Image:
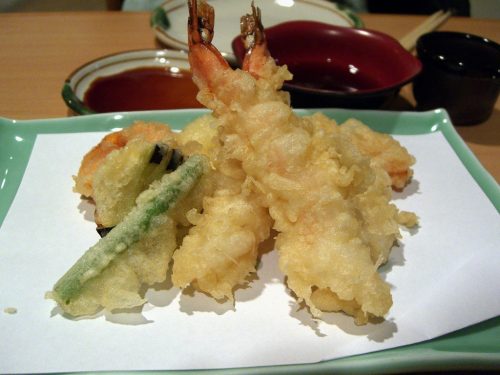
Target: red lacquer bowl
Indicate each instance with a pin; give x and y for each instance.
(336, 66)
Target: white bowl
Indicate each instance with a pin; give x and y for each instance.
(78, 83)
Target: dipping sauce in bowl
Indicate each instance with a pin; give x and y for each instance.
(132, 81)
(336, 66)
(142, 89)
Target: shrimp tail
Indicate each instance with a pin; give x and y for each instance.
(204, 58)
(254, 41)
(220, 86)
(200, 23)
(252, 30)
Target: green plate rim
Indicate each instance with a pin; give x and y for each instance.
(475, 347)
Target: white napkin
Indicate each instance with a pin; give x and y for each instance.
(444, 277)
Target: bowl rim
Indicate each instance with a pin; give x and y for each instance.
(366, 93)
(76, 104)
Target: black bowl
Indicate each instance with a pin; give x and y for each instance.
(461, 73)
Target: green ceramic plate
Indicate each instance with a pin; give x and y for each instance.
(476, 347)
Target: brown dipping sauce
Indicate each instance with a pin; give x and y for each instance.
(142, 89)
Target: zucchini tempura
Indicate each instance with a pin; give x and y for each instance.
(150, 132)
(134, 254)
(120, 167)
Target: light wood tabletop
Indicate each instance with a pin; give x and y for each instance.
(39, 50)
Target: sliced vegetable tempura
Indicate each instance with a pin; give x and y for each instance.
(136, 252)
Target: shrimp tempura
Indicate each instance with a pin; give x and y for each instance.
(221, 249)
(329, 203)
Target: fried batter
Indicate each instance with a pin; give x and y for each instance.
(221, 249)
(149, 132)
(383, 150)
(330, 204)
(325, 188)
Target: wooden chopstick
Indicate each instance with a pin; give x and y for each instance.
(430, 24)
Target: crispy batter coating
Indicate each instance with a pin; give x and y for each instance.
(123, 174)
(328, 200)
(325, 188)
(121, 283)
(148, 131)
(221, 249)
(330, 204)
(383, 150)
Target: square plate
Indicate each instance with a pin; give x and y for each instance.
(472, 347)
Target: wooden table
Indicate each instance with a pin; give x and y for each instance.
(38, 51)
